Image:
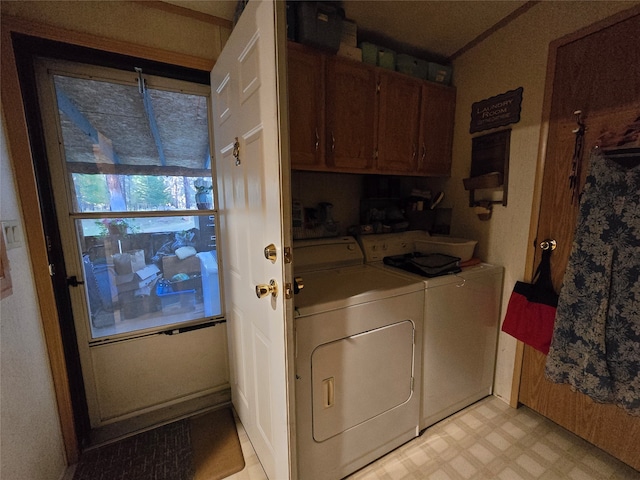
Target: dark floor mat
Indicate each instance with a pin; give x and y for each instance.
(163, 453)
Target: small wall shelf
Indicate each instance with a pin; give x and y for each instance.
(489, 168)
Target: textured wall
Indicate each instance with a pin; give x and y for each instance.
(31, 443)
(126, 21)
(515, 56)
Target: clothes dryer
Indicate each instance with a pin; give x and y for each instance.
(358, 349)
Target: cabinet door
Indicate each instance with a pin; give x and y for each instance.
(399, 123)
(306, 107)
(351, 115)
(438, 111)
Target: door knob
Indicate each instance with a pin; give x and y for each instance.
(548, 244)
(270, 253)
(298, 284)
(262, 290)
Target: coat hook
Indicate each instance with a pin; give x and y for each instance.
(576, 161)
(578, 114)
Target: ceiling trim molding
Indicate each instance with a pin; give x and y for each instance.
(501, 24)
(82, 39)
(186, 12)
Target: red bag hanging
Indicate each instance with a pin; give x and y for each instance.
(531, 311)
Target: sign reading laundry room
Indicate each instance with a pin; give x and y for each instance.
(496, 111)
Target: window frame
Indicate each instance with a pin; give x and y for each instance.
(118, 75)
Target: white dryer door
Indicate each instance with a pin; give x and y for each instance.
(357, 378)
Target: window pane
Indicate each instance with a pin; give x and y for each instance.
(128, 150)
(147, 272)
(140, 193)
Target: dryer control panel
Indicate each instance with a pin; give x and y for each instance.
(376, 247)
(325, 253)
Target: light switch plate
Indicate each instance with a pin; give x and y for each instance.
(12, 234)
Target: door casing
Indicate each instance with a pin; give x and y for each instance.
(21, 41)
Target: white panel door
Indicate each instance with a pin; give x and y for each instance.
(247, 127)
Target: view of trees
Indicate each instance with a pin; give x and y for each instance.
(134, 192)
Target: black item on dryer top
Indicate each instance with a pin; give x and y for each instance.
(429, 265)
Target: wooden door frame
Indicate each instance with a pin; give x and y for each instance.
(22, 161)
(554, 46)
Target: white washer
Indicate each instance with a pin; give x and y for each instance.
(358, 349)
(460, 329)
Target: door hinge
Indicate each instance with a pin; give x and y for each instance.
(287, 255)
(288, 291)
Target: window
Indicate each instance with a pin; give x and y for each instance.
(140, 195)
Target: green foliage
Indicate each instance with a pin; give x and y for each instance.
(115, 226)
(147, 190)
(91, 191)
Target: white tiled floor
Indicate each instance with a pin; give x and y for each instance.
(488, 440)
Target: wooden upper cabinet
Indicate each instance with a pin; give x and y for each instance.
(436, 130)
(347, 116)
(351, 106)
(398, 123)
(306, 107)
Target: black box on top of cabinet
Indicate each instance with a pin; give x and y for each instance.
(319, 25)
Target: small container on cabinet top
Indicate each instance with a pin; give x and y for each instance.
(386, 58)
(354, 53)
(411, 65)
(439, 73)
(369, 53)
(319, 25)
(349, 34)
(377, 55)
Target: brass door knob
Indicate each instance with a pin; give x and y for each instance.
(263, 290)
(548, 244)
(270, 253)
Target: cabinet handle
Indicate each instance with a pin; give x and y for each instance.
(333, 143)
(317, 140)
(424, 154)
(413, 157)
